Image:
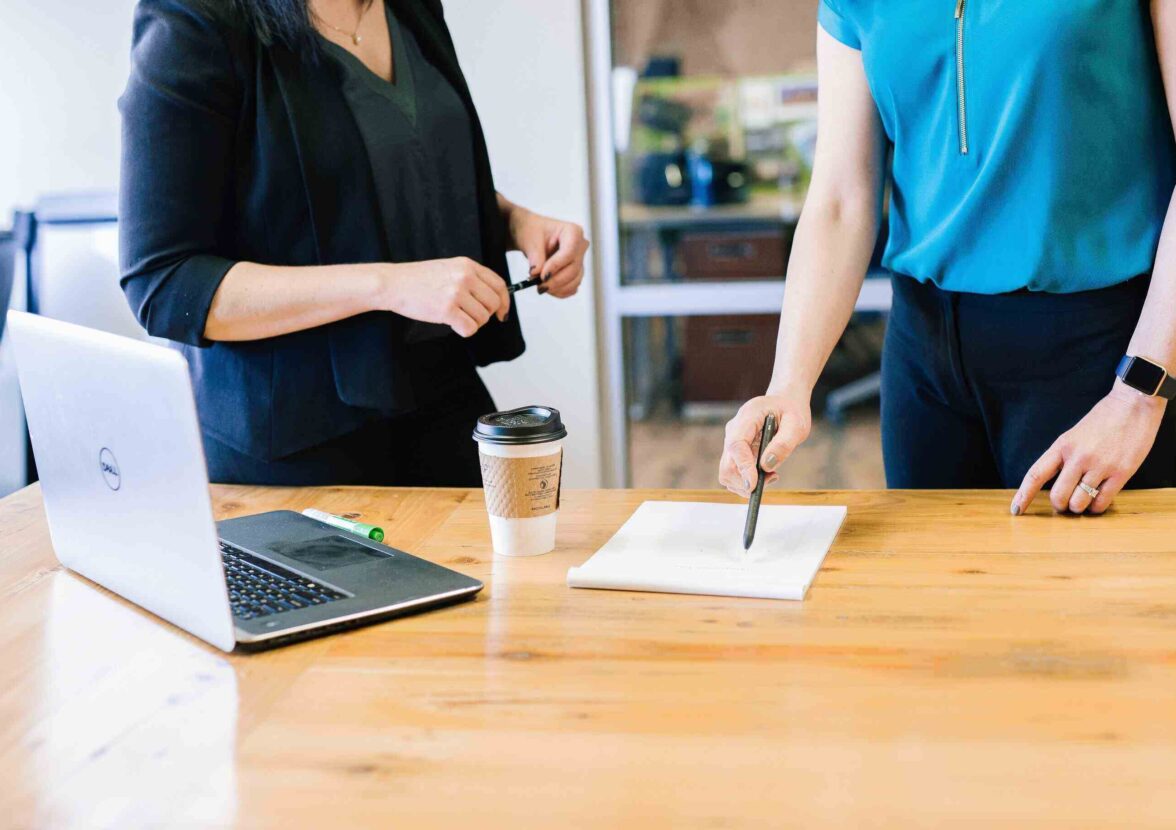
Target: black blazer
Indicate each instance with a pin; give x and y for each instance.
(234, 150)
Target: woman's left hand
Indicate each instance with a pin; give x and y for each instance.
(554, 249)
(1103, 451)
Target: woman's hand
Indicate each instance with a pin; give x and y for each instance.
(1103, 450)
(554, 249)
(458, 293)
(737, 467)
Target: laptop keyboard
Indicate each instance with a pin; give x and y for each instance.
(258, 588)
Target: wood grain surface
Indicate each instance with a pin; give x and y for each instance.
(952, 666)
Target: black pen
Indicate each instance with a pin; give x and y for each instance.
(519, 286)
(753, 506)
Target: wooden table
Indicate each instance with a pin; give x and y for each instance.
(951, 665)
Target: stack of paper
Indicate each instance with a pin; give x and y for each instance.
(692, 548)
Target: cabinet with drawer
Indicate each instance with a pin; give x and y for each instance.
(749, 255)
(727, 358)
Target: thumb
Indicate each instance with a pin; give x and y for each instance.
(790, 435)
(533, 247)
(535, 255)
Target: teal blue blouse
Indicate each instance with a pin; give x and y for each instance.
(1033, 146)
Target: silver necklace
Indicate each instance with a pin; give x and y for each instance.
(355, 36)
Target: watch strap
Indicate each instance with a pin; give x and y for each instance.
(1166, 389)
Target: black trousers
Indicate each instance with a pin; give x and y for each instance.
(432, 446)
(975, 388)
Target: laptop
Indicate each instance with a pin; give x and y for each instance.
(119, 453)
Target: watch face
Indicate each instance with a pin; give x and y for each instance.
(1143, 375)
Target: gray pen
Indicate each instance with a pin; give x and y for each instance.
(753, 506)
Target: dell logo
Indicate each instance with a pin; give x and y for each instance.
(109, 467)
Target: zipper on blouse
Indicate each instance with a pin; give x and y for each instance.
(961, 97)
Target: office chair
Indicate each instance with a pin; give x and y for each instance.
(73, 263)
(7, 274)
(14, 453)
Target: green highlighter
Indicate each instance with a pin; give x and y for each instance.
(376, 534)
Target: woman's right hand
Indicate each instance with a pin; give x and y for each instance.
(737, 468)
(458, 293)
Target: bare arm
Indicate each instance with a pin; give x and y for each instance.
(838, 226)
(835, 237)
(1155, 334)
(258, 301)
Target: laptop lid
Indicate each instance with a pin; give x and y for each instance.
(123, 476)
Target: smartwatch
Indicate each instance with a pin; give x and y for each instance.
(1148, 378)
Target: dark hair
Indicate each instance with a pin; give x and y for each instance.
(280, 21)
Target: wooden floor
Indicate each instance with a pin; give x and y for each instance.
(666, 452)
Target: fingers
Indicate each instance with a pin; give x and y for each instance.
(744, 460)
(474, 308)
(1042, 471)
(1106, 494)
(1066, 484)
(742, 474)
(737, 468)
(488, 298)
(536, 254)
(532, 241)
(563, 270)
(472, 299)
(500, 303)
(462, 323)
(1080, 500)
(790, 435)
(729, 475)
(569, 246)
(565, 283)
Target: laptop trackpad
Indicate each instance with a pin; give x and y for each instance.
(328, 552)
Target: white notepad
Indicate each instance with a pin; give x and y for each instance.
(697, 548)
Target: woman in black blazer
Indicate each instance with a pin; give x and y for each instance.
(307, 211)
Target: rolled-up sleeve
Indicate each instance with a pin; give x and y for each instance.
(179, 115)
(833, 20)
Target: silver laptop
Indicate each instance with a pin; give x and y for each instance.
(122, 470)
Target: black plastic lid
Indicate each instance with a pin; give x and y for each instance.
(525, 425)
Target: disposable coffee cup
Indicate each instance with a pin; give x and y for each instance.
(521, 451)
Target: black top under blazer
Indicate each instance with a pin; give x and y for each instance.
(238, 151)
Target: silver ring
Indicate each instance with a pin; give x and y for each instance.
(1088, 490)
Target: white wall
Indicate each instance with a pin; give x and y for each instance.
(524, 60)
(63, 64)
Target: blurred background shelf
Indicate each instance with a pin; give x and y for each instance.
(759, 208)
(702, 156)
(710, 298)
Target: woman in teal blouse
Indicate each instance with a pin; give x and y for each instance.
(1032, 257)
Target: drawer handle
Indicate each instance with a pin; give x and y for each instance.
(730, 250)
(734, 337)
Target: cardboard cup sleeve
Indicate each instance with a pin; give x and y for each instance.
(521, 488)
